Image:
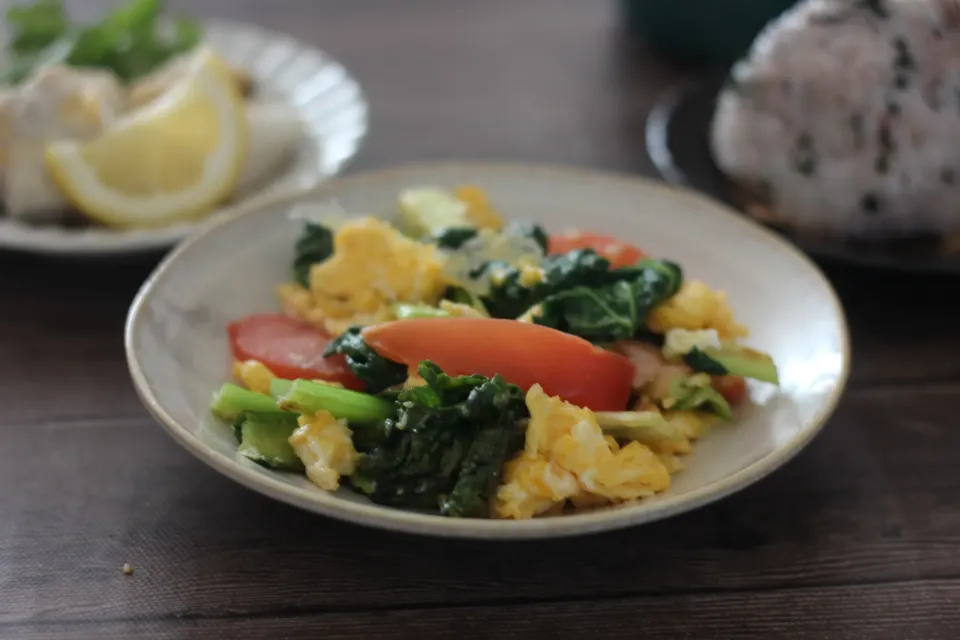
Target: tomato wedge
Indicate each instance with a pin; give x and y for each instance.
(524, 354)
(618, 252)
(732, 388)
(290, 348)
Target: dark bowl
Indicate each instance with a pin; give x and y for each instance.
(711, 32)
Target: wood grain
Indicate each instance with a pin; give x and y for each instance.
(919, 610)
(871, 500)
(856, 538)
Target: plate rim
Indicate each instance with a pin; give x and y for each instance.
(376, 516)
(656, 141)
(57, 241)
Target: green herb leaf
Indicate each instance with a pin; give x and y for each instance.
(448, 444)
(377, 372)
(314, 245)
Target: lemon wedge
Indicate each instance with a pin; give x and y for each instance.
(172, 160)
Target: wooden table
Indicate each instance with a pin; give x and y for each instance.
(859, 537)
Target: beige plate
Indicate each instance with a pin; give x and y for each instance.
(178, 353)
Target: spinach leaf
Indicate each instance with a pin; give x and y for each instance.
(453, 238)
(314, 245)
(377, 372)
(617, 311)
(509, 298)
(447, 445)
(699, 361)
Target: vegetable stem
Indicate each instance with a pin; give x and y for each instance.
(407, 311)
(231, 400)
(309, 397)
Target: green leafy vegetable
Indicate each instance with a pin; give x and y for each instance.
(377, 372)
(735, 360)
(453, 238)
(447, 445)
(509, 298)
(694, 392)
(648, 427)
(130, 41)
(617, 311)
(314, 245)
(265, 439)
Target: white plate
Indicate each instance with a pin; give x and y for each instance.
(327, 98)
(178, 353)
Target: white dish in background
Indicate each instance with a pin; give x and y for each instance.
(178, 353)
(327, 98)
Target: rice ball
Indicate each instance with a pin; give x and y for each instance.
(845, 118)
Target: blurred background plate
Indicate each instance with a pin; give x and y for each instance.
(677, 140)
(326, 97)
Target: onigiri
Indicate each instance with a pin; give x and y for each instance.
(845, 118)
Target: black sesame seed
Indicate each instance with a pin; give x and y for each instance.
(948, 176)
(937, 33)
(893, 109)
(901, 81)
(882, 165)
(876, 7)
(870, 204)
(856, 124)
(886, 138)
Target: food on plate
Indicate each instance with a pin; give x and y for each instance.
(454, 362)
(842, 119)
(134, 124)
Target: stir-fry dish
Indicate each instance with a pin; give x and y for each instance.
(79, 104)
(454, 363)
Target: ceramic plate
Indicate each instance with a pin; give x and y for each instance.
(178, 353)
(677, 141)
(327, 98)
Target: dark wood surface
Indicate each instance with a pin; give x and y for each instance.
(858, 537)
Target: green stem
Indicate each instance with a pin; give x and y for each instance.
(280, 387)
(230, 401)
(309, 397)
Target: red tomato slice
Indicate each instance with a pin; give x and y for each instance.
(732, 388)
(524, 354)
(618, 252)
(289, 348)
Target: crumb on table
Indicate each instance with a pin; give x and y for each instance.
(127, 569)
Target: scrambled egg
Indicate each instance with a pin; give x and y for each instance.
(373, 267)
(253, 375)
(479, 210)
(567, 457)
(696, 306)
(325, 446)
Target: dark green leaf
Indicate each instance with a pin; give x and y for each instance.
(314, 245)
(447, 445)
(453, 238)
(616, 311)
(699, 361)
(374, 370)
